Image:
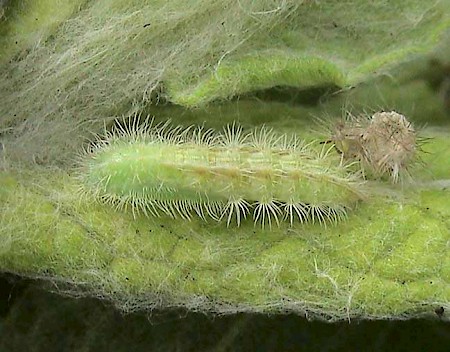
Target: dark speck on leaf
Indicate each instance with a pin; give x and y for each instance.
(439, 311)
(146, 25)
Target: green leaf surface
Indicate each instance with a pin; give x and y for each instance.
(389, 259)
(336, 44)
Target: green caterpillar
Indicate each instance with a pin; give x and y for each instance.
(178, 171)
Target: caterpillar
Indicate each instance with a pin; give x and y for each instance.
(384, 144)
(229, 175)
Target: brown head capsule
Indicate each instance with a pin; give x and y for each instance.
(384, 144)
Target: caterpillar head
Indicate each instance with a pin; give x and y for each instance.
(347, 140)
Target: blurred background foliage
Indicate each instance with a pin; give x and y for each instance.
(33, 319)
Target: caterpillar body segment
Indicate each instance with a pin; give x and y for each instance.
(227, 176)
